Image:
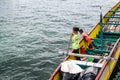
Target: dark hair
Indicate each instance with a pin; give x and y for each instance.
(81, 30)
(75, 28)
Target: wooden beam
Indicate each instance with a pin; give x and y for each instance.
(87, 63)
(113, 21)
(108, 23)
(112, 17)
(85, 55)
(99, 51)
(105, 39)
(112, 33)
(93, 56)
(114, 11)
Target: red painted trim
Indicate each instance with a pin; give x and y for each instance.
(101, 70)
(112, 51)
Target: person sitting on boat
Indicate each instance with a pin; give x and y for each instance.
(87, 39)
(75, 37)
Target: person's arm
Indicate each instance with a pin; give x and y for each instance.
(84, 37)
(71, 35)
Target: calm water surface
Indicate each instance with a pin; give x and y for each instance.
(32, 32)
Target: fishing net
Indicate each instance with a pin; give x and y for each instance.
(103, 46)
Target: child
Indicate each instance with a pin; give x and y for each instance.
(75, 37)
(87, 39)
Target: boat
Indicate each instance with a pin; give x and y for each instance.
(106, 40)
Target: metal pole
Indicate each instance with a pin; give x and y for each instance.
(101, 32)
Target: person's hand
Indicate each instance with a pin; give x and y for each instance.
(71, 34)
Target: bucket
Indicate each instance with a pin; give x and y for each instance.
(82, 50)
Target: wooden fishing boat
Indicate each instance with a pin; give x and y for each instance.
(106, 40)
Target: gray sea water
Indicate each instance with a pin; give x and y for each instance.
(32, 32)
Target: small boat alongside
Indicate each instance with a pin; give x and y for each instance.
(97, 64)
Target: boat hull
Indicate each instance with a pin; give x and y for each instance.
(108, 66)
